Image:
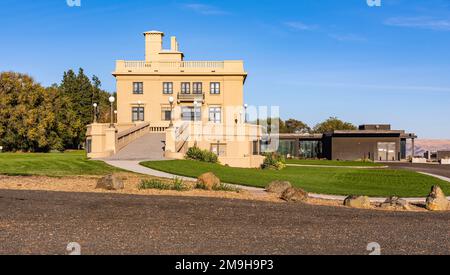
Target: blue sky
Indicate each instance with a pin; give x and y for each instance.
(313, 58)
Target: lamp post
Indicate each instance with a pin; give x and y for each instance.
(171, 100)
(195, 110)
(95, 112)
(245, 113)
(112, 100)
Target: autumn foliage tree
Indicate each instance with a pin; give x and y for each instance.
(38, 119)
(332, 124)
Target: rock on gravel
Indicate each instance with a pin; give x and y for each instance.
(436, 200)
(357, 202)
(110, 182)
(294, 195)
(395, 203)
(208, 181)
(278, 187)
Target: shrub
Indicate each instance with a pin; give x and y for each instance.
(226, 187)
(195, 153)
(154, 184)
(177, 185)
(221, 187)
(274, 161)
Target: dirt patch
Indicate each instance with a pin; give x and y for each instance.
(86, 184)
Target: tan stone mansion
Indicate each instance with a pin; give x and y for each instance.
(188, 103)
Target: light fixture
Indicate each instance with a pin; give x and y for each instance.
(245, 114)
(112, 100)
(95, 112)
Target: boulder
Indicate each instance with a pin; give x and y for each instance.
(110, 182)
(357, 202)
(294, 195)
(395, 203)
(278, 187)
(436, 200)
(208, 181)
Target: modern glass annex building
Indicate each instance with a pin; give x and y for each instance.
(374, 142)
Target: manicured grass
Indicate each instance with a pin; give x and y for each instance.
(332, 163)
(328, 180)
(52, 164)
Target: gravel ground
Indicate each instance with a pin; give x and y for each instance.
(43, 222)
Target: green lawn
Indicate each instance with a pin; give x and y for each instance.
(332, 163)
(328, 180)
(52, 164)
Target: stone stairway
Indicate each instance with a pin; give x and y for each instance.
(147, 147)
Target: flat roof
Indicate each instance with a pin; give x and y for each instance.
(305, 136)
(368, 132)
(341, 133)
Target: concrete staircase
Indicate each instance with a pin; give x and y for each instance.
(148, 147)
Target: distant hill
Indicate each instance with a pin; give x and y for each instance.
(433, 145)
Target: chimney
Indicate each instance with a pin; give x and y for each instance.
(153, 45)
(173, 44)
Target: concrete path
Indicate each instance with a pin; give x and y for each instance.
(134, 166)
(149, 147)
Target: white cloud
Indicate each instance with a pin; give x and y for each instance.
(205, 9)
(419, 22)
(300, 26)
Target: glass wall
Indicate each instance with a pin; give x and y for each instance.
(386, 151)
(287, 147)
(403, 149)
(310, 149)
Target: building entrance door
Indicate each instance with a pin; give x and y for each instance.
(386, 151)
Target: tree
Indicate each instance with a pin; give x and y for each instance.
(78, 95)
(331, 124)
(38, 119)
(270, 124)
(27, 119)
(293, 126)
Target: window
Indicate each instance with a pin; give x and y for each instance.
(310, 149)
(190, 114)
(185, 88)
(215, 114)
(197, 88)
(256, 147)
(137, 114)
(166, 113)
(219, 149)
(167, 88)
(287, 147)
(138, 88)
(89, 146)
(215, 88)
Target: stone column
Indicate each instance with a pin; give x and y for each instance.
(111, 141)
(170, 140)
